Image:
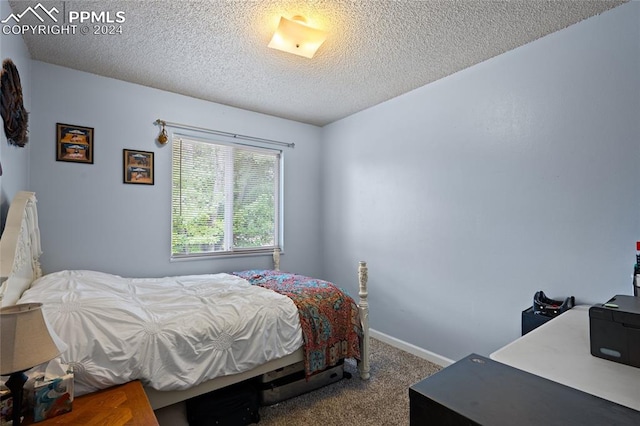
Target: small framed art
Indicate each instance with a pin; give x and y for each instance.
(74, 143)
(137, 166)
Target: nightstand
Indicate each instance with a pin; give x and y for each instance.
(116, 406)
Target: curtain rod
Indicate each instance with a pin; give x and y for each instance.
(222, 133)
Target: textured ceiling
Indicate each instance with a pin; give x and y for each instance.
(376, 50)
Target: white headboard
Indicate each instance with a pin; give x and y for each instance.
(19, 248)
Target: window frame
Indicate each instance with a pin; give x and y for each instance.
(279, 194)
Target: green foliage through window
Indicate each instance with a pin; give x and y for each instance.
(225, 198)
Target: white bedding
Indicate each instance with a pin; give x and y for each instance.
(171, 333)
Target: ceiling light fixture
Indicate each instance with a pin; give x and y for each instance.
(296, 36)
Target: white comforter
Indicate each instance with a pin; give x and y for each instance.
(171, 333)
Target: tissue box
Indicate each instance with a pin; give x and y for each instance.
(52, 397)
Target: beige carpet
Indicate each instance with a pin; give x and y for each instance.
(381, 400)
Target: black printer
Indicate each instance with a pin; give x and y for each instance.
(614, 330)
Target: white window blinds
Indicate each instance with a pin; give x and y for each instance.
(225, 198)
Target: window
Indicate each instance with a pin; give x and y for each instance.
(225, 198)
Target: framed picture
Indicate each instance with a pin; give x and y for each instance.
(74, 143)
(137, 167)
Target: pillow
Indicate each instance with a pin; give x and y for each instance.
(12, 289)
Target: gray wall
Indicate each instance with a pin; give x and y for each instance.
(468, 195)
(89, 219)
(14, 160)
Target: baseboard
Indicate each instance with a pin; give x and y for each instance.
(412, 349)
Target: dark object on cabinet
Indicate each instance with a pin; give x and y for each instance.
(531, 320)
(235, 405)
(614, 330)
(479, 391)
(552, 308)
(543, 310)
(290, 381)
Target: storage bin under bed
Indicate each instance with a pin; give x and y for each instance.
(288, 382)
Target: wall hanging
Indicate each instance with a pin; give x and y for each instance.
(14, 115)
(74, 143)
(163, 138)
(137, 167)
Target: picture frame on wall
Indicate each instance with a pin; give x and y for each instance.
(74, 143)
(137, 167)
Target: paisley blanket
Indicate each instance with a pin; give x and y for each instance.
(329, 317)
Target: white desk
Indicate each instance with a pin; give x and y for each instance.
(559, 350)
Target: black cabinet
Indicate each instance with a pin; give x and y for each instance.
(531, 320)
(479, 391)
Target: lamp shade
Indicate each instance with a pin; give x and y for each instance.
(25, 338)
(295, 36)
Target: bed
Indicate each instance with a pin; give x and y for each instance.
(232, 326)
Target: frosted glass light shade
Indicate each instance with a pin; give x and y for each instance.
(295, 36)
(26, 338)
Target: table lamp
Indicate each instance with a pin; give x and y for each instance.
(26, 341)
